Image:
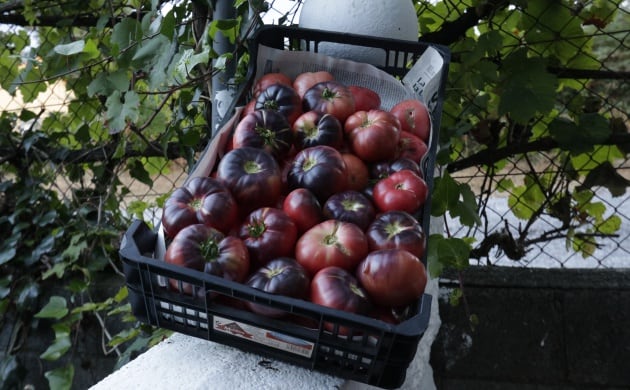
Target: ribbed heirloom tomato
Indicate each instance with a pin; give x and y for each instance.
(403, 190)
(373, 135)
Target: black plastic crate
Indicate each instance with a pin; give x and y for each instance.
(360, 348)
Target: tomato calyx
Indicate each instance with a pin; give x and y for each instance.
(393, 229)
(251, 167)
(209, 250)
(256, 229)
(309, 163)
(195, 204)
(268, 135)
(329, 94)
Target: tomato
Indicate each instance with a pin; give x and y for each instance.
(331, 243)
(302, 206)
(392, 277)
(396, 229)
(253, 176)
(414, 118)
(383, 169)
(268, 233)
(365, 99)
(304, 81)
(350, 206)
(321, 169)
(373, 135)
(201, 200)
(403, 190)
(357, 173)
(411, 147)
(206, 249)
(330, 97)
(281, 98)
(282, 276)
(338, 289)
(268, 79)
(264, 129)
(316, 128)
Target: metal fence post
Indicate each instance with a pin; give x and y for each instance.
(222, 92)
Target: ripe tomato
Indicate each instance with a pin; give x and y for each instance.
(392, 277)
(350, 206)
(302, 206)
(365, 99)
(268, 233)
(402, 190)
(321, 169)
(281, 276)
(414, 118)
(281, 98)
(373, 135)
(201, 200)
(337, 288)
(331, 243)
(268, 79)
(383, 169)
(411, 147)
(264, 129)
(253, 176)
(396, 229)
(316, 128)
(206, 249)
(304, 81)
(357, 172)
(330, 97)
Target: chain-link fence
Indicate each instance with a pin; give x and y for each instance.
(528, 215)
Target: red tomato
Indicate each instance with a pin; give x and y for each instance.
(392, 277)
(336, 288)
(330, 97)
(282, 276)
(321, 169)
(253, 176)
(403, 190)
(268, 79)
(268, 233)
(357, 172)
(316, 128)
(331, 243)
(302, 206)
(365, 99)
(281, 98)
(264, 129)
(396, 229)
(304, 81)
(414, 118)
(373, 135)
(201, 200)
(411, 147)
(206, 249)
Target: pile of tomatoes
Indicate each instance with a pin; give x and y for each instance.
(317, 196)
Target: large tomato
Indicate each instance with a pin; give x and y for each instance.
(403, 190)
(281, 98)
(357, 172)
(350, 206)
(253, 176)
(392, 277)
(302, 206)
(316, 128)
(338, 289)
(201, 200)
(414, 118)
(264, 129)
(304, 81)
(330, 97)
(282, 276)
(373, 135)
(331, 243)
(206, 249)
(269, 79)
(365, 99)
(268, 233)
(396, 229)
(321, 169)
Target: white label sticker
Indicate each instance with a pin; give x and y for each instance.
(264, 336)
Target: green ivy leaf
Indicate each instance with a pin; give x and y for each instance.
(138, 171)
(60, 345)
(55, 308)
(526, 87)
(106, 83)
(228, 27)
(69, 49)
(447, 252)
(121, 108)
(611, 225)
(61, 378)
